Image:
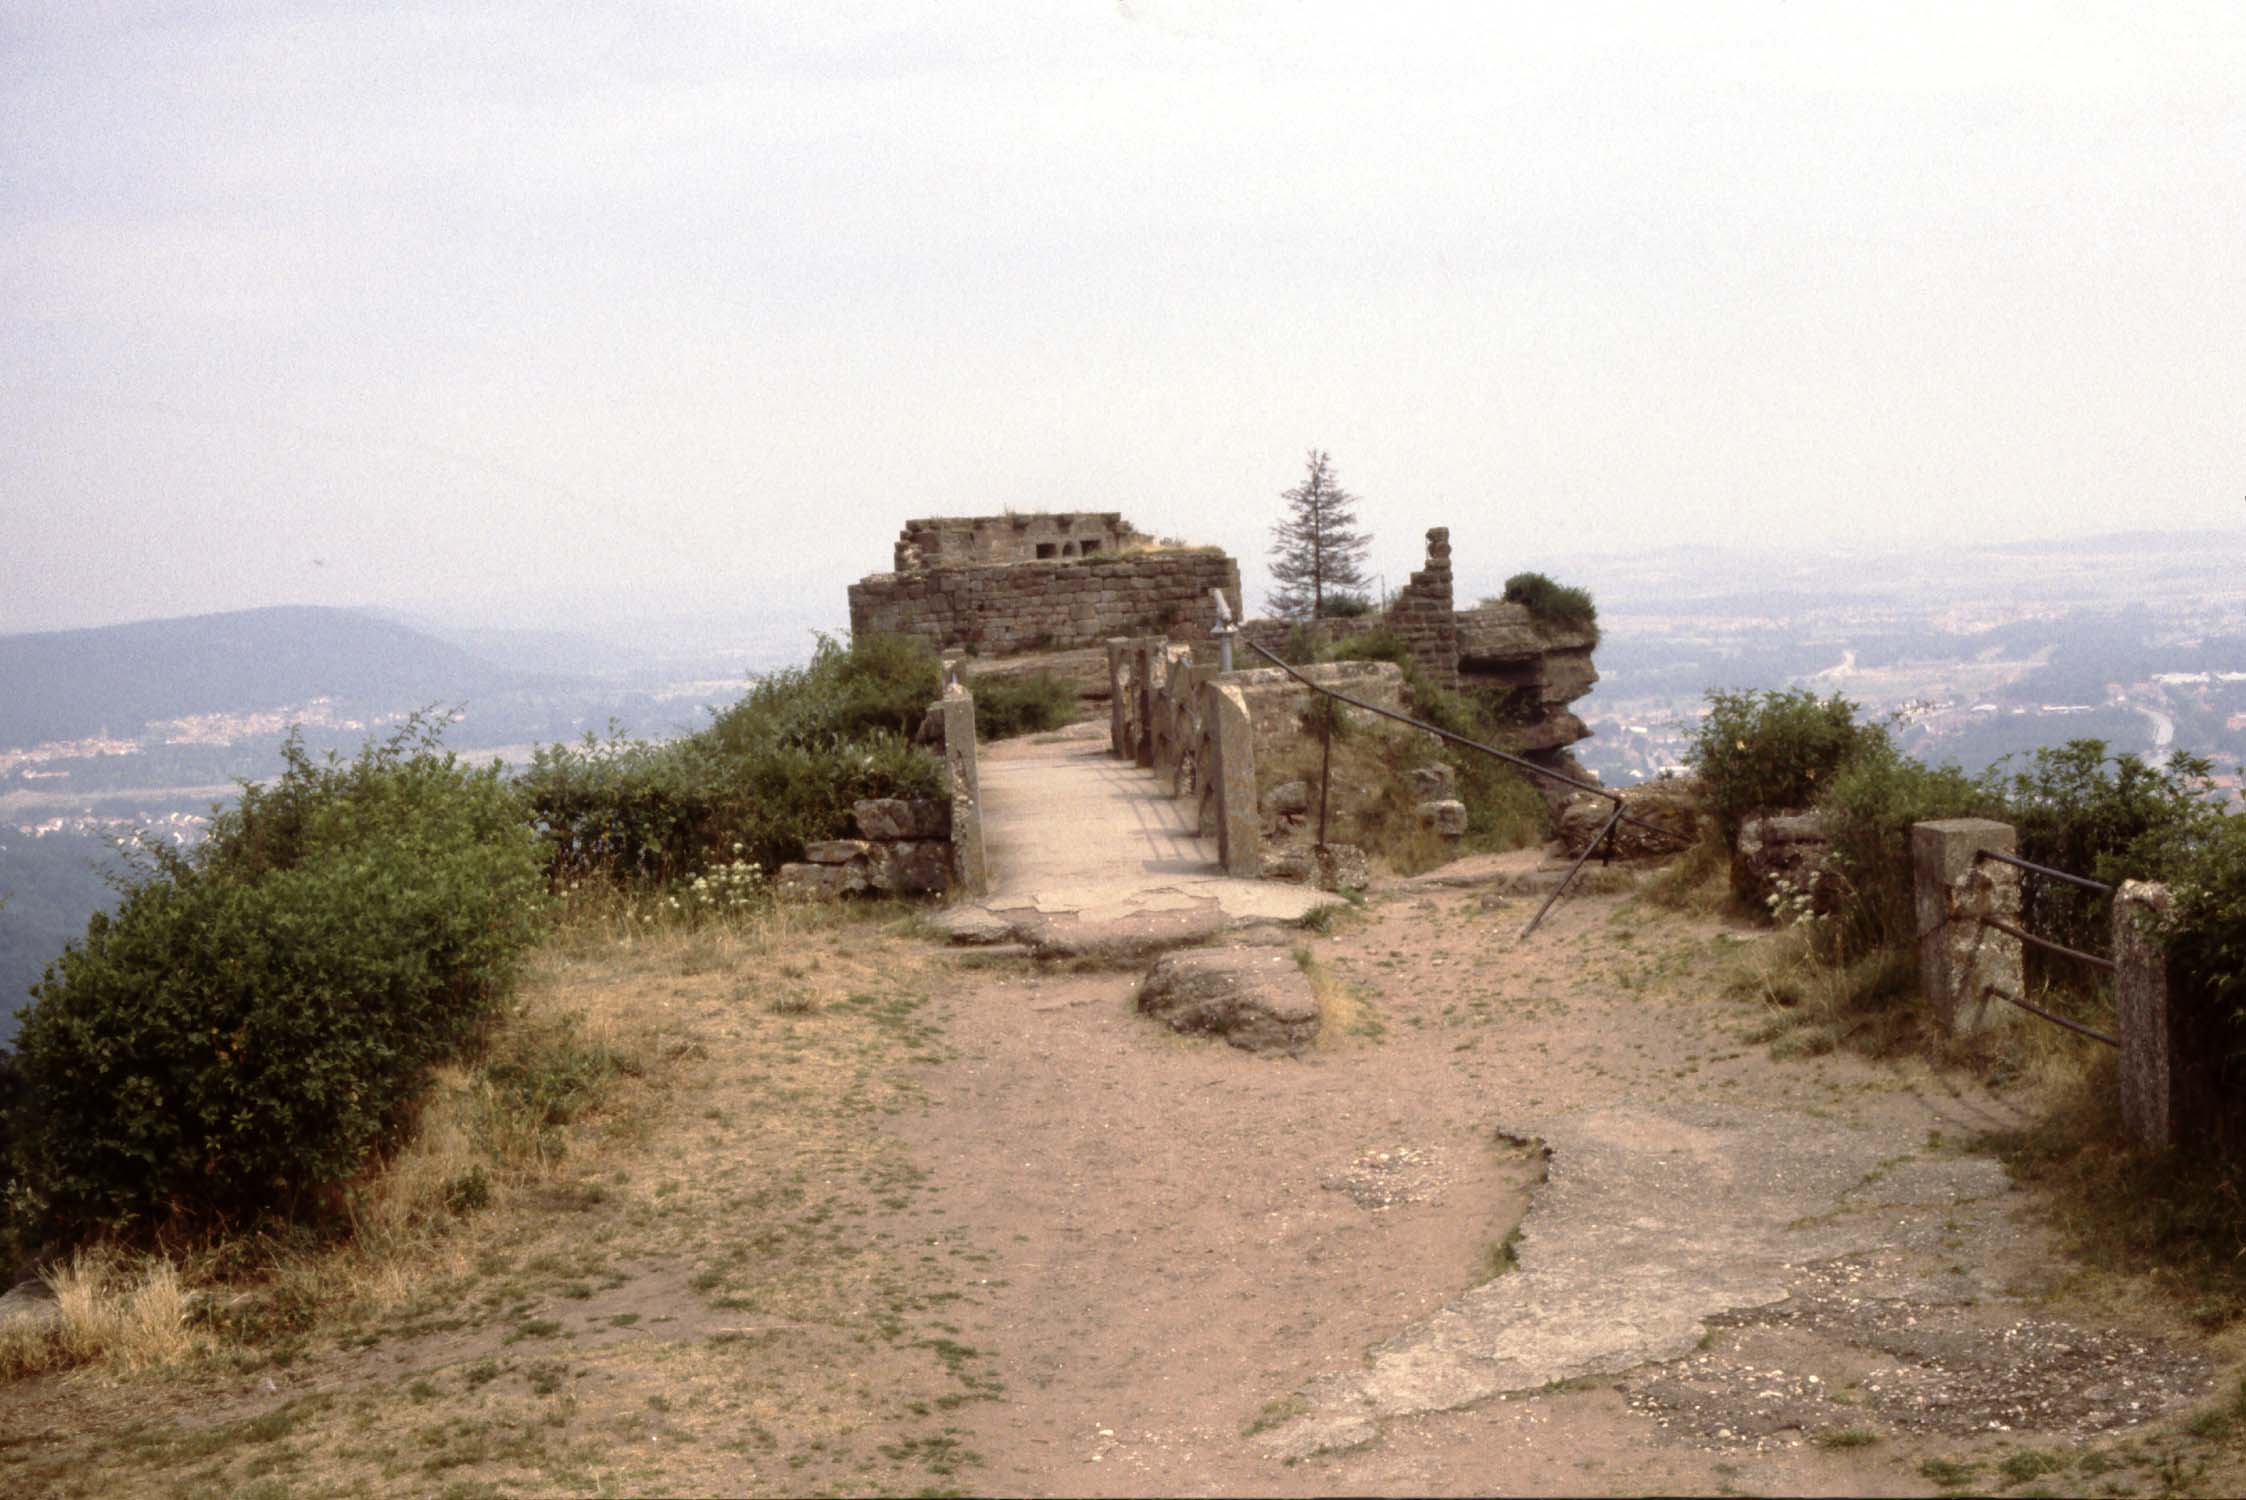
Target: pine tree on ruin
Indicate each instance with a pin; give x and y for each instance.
(1317, 552)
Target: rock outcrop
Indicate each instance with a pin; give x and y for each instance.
(1255, 998)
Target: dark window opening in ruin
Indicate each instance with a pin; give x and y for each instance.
(1045, 549)
(1068, 549)
(1091, 547)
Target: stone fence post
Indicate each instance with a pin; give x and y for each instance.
(956, 709)
(1964, 966)
(2155, 1066)
(1229, 731)
(1119, 686)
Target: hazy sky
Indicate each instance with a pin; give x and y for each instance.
(559, 311)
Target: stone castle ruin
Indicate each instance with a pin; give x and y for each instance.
(1063, 581)
(1048, 581)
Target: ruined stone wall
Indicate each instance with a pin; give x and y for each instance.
(972, 541)
(1527, 669)
(1035, 606)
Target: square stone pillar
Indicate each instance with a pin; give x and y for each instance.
(969, 866)
(1118, 703)
(1145, 657)
(2152, 1046)
(1233, 733)
(1965, 967)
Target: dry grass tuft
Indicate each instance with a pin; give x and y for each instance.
(125, 1314)
(575, 1060)
(1343, 1011)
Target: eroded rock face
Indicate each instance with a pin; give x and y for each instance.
(1670, 806)
(1255, 998)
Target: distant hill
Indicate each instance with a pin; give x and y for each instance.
(68, 684)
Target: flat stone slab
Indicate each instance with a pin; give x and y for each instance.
(1651, 1226)
(1255, 998)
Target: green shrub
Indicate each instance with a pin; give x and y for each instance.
(772, 773)
(876, 684)
(1031, 704)
(1762, 752)
(256, 1020)
(2112, 818)
(1382, 644)
(635, 811)
(1556, 602)
(1344, 605)
(1870, 803)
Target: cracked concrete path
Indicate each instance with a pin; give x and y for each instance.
(1084, 847)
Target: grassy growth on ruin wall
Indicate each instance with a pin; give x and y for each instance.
(777, 770)
(1558, 603)
(1378, 807)
(1006, 707)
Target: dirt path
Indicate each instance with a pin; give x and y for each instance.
(894, 1218)
(1223, 1274)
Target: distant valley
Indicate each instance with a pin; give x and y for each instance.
(133, 731)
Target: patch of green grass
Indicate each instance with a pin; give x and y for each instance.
(1502, 1256)
(2032, 1463)
(1844, 1437)
(1948, 1473)
(1277, 1413)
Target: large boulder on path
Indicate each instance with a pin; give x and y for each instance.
(1255, 998)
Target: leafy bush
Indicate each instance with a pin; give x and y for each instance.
(635, 811)
(772, 773)
(877, 684)
(1345, 605)
(255, 1021)
(1556, 602)
(1761, 752)
(1504, 810)
(1870, 804)
(1010, 706)
(1381, 644)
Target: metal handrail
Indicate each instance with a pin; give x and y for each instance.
(1621, 812)
(2028, 864)
(2042, 942)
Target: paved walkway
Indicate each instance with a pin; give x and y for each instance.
(1085, 847)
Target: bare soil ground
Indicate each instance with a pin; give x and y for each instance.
(887, 1217)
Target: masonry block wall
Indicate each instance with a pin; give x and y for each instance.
(1423, 615)
(995, 608)
(1050, 536)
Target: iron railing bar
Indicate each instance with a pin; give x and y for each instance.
(2056, 1020)
(2028, 937)
(1459, 739)
(2028, 864)
(1589, 849)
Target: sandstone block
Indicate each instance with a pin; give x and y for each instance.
(900, 818)
(1433, 781)
(1447, 816)
(911, 867)
(808, 882)
(1255, 998)
(1288, 798)
(836, 851)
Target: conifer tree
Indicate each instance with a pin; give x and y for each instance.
(1317, 553)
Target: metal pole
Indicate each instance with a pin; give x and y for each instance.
(1604, 829)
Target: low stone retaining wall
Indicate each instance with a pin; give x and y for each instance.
(908, 847)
